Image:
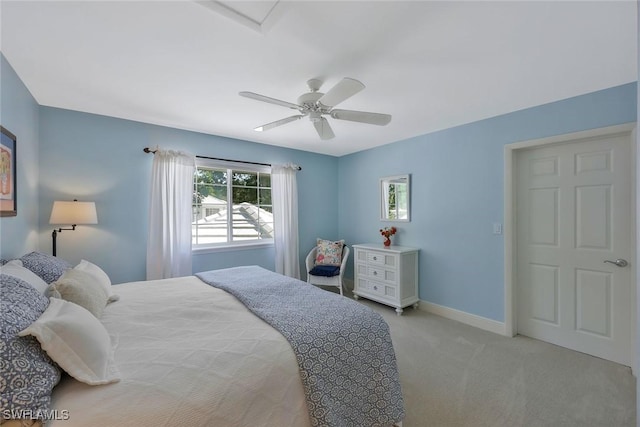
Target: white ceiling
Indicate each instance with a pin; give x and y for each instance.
(431, 65)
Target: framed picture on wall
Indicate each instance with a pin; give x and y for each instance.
(8, 203)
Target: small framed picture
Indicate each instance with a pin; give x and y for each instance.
(8, 165)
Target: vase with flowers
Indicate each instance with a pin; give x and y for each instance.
(387, 232)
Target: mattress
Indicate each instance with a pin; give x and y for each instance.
(189, 354)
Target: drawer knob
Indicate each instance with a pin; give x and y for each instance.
(375, 288)
(375, 273)
(375, 258)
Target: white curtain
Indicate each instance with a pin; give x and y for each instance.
(169, 241)
(285, 213)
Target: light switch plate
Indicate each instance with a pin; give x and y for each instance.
(497, 228)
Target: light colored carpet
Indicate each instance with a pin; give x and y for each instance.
(457, 375)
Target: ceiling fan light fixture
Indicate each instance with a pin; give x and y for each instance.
(315, 116)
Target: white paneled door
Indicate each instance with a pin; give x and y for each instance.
(574, 220)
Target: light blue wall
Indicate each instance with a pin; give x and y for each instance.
(457, 194)
(19, 115)
(98, 158)
(457, 177)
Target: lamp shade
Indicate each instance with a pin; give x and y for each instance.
(73, 213)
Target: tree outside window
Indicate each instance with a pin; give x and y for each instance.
(231, 205)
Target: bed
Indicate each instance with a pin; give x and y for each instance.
(196, 351)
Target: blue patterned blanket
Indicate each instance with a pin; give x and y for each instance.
(344, 350)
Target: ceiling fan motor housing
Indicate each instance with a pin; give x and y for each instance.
(311, 106)
(309, 99)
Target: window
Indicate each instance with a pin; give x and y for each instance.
(231, 204)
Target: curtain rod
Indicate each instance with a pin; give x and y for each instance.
(147, 150)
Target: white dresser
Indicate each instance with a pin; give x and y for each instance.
(386, 275)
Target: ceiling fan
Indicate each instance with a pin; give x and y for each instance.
(315, 105)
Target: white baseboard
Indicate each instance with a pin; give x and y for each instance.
(464, 317)
(453, 314)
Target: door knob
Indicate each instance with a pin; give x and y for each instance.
(619, 262)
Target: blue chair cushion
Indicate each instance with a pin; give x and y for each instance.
(325, 270)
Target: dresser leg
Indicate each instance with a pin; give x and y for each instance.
(399, 311)
(415, 306)
(356, 297)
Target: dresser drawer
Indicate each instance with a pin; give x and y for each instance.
(377, 273)
(378, 289)
(377, 258)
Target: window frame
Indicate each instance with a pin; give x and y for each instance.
(231, 166)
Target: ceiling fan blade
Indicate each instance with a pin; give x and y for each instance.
(324, 129)
(278, 123)
(362, 117)
(263, 98)
(346, 88)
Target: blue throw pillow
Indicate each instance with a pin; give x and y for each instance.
(325, 270)
(48, 267)
(28, 374)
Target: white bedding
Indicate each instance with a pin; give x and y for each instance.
(189, 354)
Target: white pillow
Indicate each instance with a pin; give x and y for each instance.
(14, 268)
(100, 275)
(80, 288)
(77, 341)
